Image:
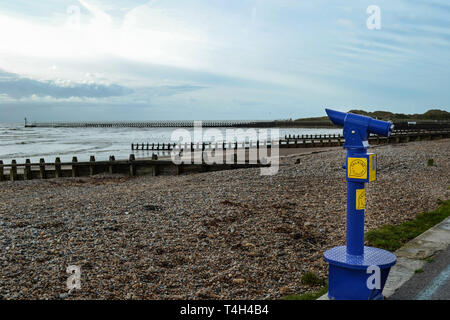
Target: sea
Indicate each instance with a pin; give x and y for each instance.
(20, 143)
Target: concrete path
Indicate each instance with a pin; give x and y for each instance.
(431, 283)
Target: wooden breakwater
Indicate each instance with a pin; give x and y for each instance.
(297, 141)
(399, 124)
(150, 124)
(131, 167)
(184, 124)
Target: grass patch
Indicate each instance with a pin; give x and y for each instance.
(430, 162)
(311, 279)
(418, 271)
(392, 237)
(314, 295)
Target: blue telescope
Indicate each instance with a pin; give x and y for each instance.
(350, 267)
(358, 127)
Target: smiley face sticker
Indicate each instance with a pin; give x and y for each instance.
(357, 168)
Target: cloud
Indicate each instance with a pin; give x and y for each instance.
(166, 91)
(16, 88)
(20, 87)
(345, 23)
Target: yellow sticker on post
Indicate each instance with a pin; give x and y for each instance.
(357, 168)
(372, 167)
(360, 199)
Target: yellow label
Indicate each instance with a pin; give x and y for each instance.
(360, 199)
(372, 167)
(357, 168)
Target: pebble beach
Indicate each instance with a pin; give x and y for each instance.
(217, 235)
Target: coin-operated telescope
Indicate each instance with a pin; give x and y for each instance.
(358, 272)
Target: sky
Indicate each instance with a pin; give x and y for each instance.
(67, 60)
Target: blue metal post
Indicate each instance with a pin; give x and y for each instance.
(355, 218)
(355, 221)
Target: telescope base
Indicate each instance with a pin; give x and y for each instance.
(348, 274)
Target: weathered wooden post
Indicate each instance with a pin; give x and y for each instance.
(13, 170)
(111, 168)
(27, 170)
(91, 165)
(179, 169)
(202, 155)
(132, 166)
(2, 177)
(74, 167)
(58, 172)
(42, 168)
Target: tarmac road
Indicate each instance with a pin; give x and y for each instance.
(431, 284)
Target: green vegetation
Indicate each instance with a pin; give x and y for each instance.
(433, 114)
(429, 259)
(430, 162)
(314, 295)
(392, 237)
(311, 279)
(418, 271)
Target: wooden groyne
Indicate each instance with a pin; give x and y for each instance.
(184, 124)
(131, 167)
(403, 125)
(297, 141)
(148, 124)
